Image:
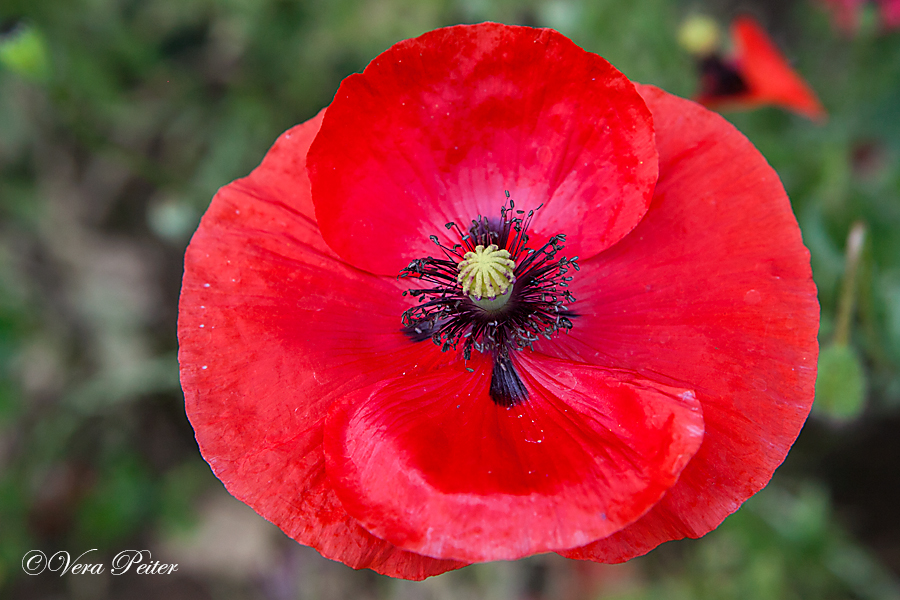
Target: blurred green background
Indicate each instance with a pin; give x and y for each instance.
(119, 119)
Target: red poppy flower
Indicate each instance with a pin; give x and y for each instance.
(757, 74)
(502, 397)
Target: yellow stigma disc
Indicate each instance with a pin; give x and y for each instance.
(486, 272)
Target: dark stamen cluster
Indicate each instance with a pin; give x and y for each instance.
(537, 307)
(718, 78)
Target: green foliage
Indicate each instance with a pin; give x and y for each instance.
(782, 545)
(840, 385)
(24, 51)
(177, 491)
(119, 502)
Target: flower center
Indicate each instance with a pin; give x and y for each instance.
(493, 294)
(486, 275)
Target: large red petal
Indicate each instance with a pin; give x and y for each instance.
(430, 463)
(437, 127)
(711, 292)
(272, 329)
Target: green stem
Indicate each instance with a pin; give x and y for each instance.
(855, 241)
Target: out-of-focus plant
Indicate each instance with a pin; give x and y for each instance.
(23, 50)
(841, 384)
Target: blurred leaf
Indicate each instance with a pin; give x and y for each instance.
(172, 220)
(126, 384)
(24, 51)
(180, 489)
(840, 385)
(119, 503)
(890, 295)
(14, 533)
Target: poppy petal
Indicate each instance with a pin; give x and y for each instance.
(713, 292)
(272, 328)
(431, 464)
(438, 127)
(768, 75)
